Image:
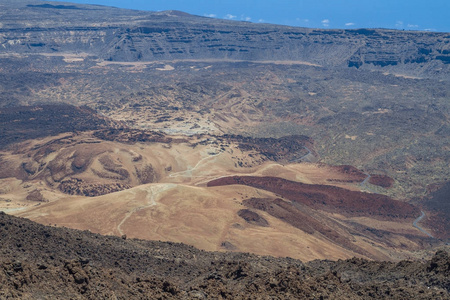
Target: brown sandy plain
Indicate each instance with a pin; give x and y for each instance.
(158, 191)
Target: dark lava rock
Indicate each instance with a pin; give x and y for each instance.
(60, 263)
(252, 217)
(27, 122)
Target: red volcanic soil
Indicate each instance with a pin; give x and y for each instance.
(381, 180)
(285, 211)
(352, 174)
(327, 198)
(290, 214)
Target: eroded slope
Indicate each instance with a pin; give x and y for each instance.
(154, 186)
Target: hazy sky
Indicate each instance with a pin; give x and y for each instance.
(398, 14)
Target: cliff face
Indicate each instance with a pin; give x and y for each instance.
(112, 34)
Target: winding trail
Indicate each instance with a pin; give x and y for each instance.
(152, 193)
(303, 157)
(420, 228)
(188, 172)
(364, 184)
(124, 219)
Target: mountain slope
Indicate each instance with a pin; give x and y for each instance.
(47, 262)
(153, 186)
(133, 113)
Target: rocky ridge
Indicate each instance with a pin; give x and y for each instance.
(128, 35)
(46, 262)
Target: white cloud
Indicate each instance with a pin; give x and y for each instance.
(244, 18)
(399, 24)
(229, 17)
(210, 15)
(430, 29)
(325, 23)
(261, 21)
(412, 26)
(350, 24)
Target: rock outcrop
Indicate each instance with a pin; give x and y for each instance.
(46, 262)
(150, 36)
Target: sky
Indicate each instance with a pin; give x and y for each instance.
(431, 15)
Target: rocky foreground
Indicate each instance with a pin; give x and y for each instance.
(45, 262)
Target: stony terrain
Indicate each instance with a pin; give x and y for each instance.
(18, 124)
(131, 112)
(227, 136)
(223, 114)
(383, 124)
(127, 181)
(43, 262)
(376, 99)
